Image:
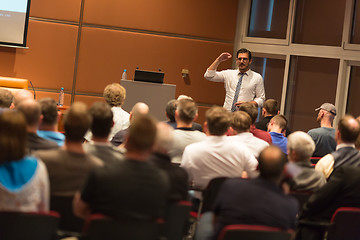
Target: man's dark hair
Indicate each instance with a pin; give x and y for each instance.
(250, 109)
(31, 110)
(271, 163)
(170, 109)
(218, 120)
(281, 121)
(142, 133)
(6, 98)
(187, 110)
(271, 106)
(244, 50)
(76, 122)
(49, 111)
(102, 119)
(349, 129)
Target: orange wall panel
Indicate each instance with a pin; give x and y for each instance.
(68, 10)
(212, 18)
(49, 60)
(88, 100)
(53, 95)
(105, 53)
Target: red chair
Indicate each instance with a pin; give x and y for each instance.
(345, 224)
(99, 227)
(34, 225)
(253, 232)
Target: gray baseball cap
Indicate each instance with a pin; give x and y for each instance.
(327, 107)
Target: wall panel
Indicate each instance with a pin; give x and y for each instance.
(67, 10)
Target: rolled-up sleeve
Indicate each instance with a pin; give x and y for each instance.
(260, 93)
(214, 76)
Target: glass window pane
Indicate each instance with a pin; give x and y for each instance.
(319, 22)
(355, 33)
(353, 101)
(268, 18)
(272, 71)
(312, 82)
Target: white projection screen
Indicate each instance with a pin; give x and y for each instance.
(14, 17)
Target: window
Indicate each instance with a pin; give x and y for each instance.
(353, 100)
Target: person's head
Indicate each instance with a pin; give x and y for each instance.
(186, 111)
(76, 122)
(182, 96)
(114, 94)
(138, 109)
(6, 98)
(12, 136)
(141, 135)
(102, 119)
(170, 109)
(32, 112)
(271, 163)
(164, 138)
(300, 146)
(250, 109)
(49, 111)
(278, 124)
(327, 112)
(243, 59)
(240, 121)
(217, 121)
(270, 107)
(21, 95)
(348, 129)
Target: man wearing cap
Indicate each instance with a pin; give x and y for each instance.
(324, 136)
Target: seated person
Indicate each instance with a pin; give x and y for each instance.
(24, 184)
(277, 128)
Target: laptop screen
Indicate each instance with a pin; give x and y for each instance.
(148, 76)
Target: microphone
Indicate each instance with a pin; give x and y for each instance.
(33, 89)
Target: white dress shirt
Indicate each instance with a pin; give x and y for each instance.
(256, 145)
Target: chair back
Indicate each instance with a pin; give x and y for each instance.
(21, 225)
(99, 227)
(68, 221)
(301, 196)
(176, 220)
(345, 224)
(253, 232)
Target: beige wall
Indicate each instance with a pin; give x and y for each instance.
(85, 45)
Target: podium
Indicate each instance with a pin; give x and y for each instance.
(153, 94)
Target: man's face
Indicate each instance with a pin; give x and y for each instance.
(243, 62)
(319, 116)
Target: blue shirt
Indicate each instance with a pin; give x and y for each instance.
(278, 139)
(57, 137)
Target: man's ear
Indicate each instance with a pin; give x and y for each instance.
(41, 119)
(206, 129)
(196, 116)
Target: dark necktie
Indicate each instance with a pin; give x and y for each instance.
(236, 95)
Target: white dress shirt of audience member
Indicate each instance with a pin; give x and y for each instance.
(240, 131)
(217, 155)
(346, 134)
(251, 87)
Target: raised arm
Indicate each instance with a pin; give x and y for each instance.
(223, 57)
(211, 74)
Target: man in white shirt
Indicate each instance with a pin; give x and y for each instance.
(217, 155)
(242, 84)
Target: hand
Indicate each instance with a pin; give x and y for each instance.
(224, 56)
(239, 103)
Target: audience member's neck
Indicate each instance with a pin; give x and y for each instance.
(31, 129)
(268, 115)
(138, 156)
(183, 125)
(276, 129)
(100, 139)
(73, 146)
(326, 123)
(52, 128)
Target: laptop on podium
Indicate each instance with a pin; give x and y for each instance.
(149, 76)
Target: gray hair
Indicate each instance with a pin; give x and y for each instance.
(302, 144)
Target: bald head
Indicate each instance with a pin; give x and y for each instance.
(271, 163)
(139, 108)
(349, 129)
(31, 110)
(21, 95)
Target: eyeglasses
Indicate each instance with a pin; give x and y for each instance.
(244, 59)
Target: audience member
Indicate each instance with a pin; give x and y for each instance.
(100, 146)
(276, 128)
(178, 177)
(170, 112)
(258, 201)
(24, 184)
(195, 126)
(346, 134)
(252, 110)
(21, 95)
(300, 148)
(6, 98)
(49, 120)
(217, 155)
(129, 190)
(269, 110)
(138, 109)
(185, 115)
(69, 166)
(324, 136)
(32, 112)
(114, 95)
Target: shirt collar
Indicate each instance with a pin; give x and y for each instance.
(342, 145)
